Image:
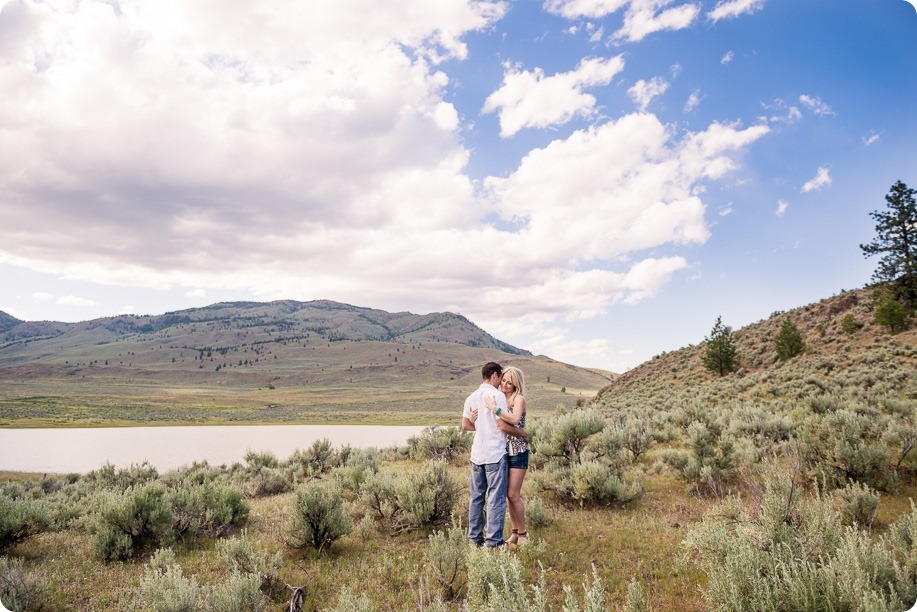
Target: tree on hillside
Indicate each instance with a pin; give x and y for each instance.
(897, 242)
(789, 341)
(890, 312)
(720, 355)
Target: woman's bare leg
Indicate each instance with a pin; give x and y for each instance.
(515, 503)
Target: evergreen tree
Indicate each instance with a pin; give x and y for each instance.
(789, 341)
(896, 241)
(890, 312)
(721, 354)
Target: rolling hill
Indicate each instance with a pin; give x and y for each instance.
(837, 364)
(282, 361)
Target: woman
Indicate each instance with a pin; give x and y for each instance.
(513, 386)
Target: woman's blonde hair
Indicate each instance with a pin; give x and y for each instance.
(517, 380)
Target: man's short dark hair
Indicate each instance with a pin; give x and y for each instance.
(490, 368)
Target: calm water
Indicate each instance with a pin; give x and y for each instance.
(83, 450)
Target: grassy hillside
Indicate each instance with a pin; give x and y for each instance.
(868, 362)
(292, 362)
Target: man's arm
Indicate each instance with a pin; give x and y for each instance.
(467, 425)
(512, 430)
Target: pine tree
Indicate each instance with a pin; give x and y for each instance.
(721, 353)
(897, 241)
(789, 341)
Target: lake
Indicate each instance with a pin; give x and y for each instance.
(81, 450)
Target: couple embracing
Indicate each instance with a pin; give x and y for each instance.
(495, 412)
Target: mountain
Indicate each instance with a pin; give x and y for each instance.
(7, 321)
(282, 361)
(865, 360)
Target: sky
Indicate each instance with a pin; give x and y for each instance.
(592, 180)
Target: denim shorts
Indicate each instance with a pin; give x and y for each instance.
(519, 462)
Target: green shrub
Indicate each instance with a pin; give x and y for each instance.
(860, 504)
(791, 553)
(21, 589)
(319, 517)
(439, 443)
(637, 438)
(242, 593)
(427, 496)
(212, 509)
(710, 463)
(720, 353)
(239, 556)
(849, 324)
(594, 482)
(536, 515)
(593, 596)
(377, 497)
(164, 587)
(495, 581)
(108, 477)
(319, 458)
(447, 559)
(126, 523)
(21, 519)
(635, 600)
(349, 602)
(564, 438)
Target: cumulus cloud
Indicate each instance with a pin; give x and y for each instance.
(782, 206)
(642, 92)
(821, 180)
(816, 105)
(644, 17)
(781, 112)
(42, 296)
(531, 99)
(310, 152)
(730, 9)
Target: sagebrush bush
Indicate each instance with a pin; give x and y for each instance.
(426, 496)
(129, 522)
(21, 589)
(635, 600)
(241, 593)
(860, 504)
(21, 519)
(447, 560)
(594, 595)
(536, 515)
(791, 553)
(239, 556)
(318, 516)
(495, 582)
(207, 508)
(439, 443)
(709, 465)
(165, 588)
(319, 458)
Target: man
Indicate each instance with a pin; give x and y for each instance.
(488, 459)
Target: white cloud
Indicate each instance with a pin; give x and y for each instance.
(574, 9)
(730, 9)
(554, 342)
(816, 105)
(727, 57)
(13, 312)
(871, 139)
(726, 210)
(597, 35)
(531, 99)
(782, 206)
(781, 112)
(693, 100)
(199, 293)
(643, 17)
(42, 296)
(72, 300)
(314, 155)
(821, 179)
(643, 92)
(127, 310)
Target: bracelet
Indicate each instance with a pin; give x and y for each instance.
(499, 410)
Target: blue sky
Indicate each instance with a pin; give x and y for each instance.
(594, 180)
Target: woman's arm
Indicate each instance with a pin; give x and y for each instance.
(512, 415)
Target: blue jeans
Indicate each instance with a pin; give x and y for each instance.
(488, 480)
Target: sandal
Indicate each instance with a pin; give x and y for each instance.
(513, 538)
(522, 537)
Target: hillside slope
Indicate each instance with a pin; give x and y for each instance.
(870, 360)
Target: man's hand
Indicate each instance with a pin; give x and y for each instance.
(474, 415)
(512, 430)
